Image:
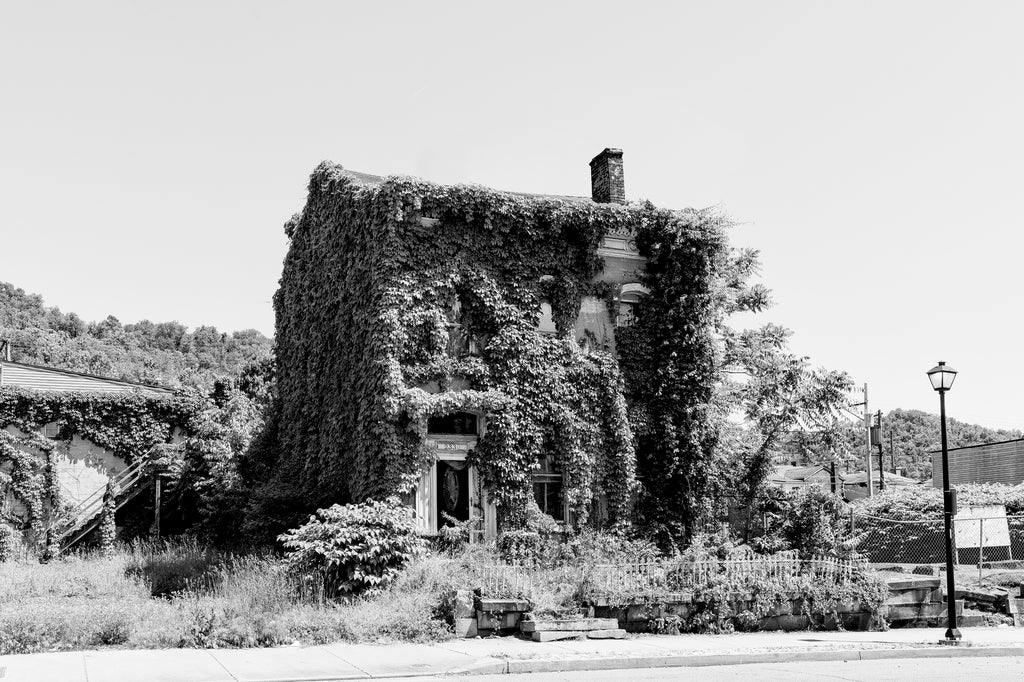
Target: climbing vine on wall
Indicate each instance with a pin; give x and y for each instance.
(402, 299)
(125, 424)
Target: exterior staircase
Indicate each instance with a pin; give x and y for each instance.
(84, 517)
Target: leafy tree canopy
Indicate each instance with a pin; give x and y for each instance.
(162, 353)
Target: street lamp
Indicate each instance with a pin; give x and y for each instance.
(942, 378)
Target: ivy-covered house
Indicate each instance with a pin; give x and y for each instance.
(66, 436)
(495, 356)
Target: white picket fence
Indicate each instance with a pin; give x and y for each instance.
(655, 575)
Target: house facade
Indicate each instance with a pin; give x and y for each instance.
(1001, 462)
(790, 478)
(65, 436)
(460, 347)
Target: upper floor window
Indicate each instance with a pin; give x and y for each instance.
(456, 423)
(55, 431)
(546, 324)
(628, 298)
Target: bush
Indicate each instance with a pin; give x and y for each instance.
(816, 522)
(924, 503)
(10, 543)
(354, 548)
(810, 520)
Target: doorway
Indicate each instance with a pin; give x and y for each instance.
(452, 491)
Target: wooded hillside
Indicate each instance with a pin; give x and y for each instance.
(164, 353)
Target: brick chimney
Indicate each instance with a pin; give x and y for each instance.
(607, 185)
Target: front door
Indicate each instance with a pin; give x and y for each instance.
(452, 492)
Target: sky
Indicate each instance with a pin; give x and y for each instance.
(872, 151)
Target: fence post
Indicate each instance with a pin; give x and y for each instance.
(981, 546)
(853, 523)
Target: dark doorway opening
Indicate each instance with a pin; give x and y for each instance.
(452, 492)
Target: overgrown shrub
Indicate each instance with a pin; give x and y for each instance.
(924, 503)
(355, 547)
(816, 522)
(10, 543)
(810, 520)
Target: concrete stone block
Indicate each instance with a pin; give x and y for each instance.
(916, 596)
(465, 627)
(574, 625)
(498, 620)
(555, 635)
(606, 634)
(464, 604)
(642, 612)
(909, 583)
(921, 611)
(504, 605)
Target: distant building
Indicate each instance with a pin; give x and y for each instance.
(38, 378)
(855, 485)
(796, 477)
(1001, 462)
(31, 395)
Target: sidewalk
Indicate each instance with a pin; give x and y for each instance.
(496, 655)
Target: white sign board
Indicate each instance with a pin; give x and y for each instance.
(981, 526)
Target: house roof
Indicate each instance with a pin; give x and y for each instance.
(795, 473)
(859, 477)
(977, 445)
(40, 378)
(369, 179)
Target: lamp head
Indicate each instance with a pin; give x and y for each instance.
(942, 377)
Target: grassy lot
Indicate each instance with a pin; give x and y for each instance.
(185, 595)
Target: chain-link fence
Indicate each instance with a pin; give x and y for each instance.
(993, 544)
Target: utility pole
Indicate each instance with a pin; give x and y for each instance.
(892, 454)
(876, 440)
(867, 441)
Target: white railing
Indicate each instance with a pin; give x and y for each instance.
(665, 576)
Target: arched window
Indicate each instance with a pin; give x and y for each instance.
(546, 323)
(629, 297)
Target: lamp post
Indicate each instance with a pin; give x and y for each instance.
(942, 378)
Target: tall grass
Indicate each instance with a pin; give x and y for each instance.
(183, 594)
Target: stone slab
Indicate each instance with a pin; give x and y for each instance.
(575, 625)
(917, 596)
(921, 611)
(464, 604)
(606, 634)
(497, 620)
(504, 605)
(465, 627)
(908, 583)
(555, 635)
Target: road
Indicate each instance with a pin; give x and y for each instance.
(904, 670)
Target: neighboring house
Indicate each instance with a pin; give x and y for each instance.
(789, 477)
(392, 289)
(1001, 462)
(855, 485)
(39, 378)
(70, 411)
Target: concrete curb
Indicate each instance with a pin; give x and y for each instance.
(706, 660)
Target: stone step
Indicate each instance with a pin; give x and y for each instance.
(569, 625)
(504, 605)
(617, 633)
(904, 582)
(555, 635)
